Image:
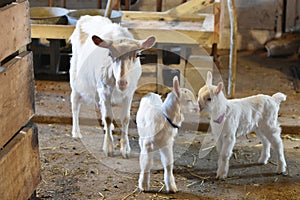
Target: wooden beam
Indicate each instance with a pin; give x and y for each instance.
(51, 31)
(233, 49)
(190, 7)
(166, 35)
(161, 16)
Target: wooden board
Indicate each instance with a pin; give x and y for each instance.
(15, 29)
(16, 95)
(20, 170)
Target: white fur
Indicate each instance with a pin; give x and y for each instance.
(157, 134)
(104, 70)
(257, 113)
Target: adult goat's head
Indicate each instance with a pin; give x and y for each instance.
(124, 53)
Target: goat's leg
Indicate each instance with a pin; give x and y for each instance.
(75, 101)
(276, 142)
(224, 156)
(167, 161)
(108, 143)
(146, 160)
(265, 152)
(125, 117)
(106, 111)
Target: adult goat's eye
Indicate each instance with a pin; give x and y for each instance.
(208, 99)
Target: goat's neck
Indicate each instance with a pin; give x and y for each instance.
(171, 108)
(220, 106)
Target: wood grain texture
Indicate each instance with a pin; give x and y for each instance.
(20, 170)
(15, 29)
(16, 96)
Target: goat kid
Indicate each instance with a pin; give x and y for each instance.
(105, 70)
(238, 117)
(158, 124)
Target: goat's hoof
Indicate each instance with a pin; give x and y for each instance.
(173, 190)
(76, 135)
(125, 152)
(108, 153)
(263, 161)
(284, 173)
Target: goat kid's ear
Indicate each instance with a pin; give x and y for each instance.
(209, 78)
(100, 42)
(219, 88)
(176, 86)
(148, 43)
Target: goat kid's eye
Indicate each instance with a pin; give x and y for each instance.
(208, 99)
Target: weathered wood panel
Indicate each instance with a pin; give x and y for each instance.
(16, 95)
(14, 26)
(20, 170)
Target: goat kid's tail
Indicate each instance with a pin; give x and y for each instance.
(279, 97)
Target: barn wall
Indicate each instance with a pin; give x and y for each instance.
(258, 20)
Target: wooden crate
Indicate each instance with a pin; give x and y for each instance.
(20, 165)
(15, 28)
(16, 95)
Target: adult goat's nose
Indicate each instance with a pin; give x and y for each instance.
(122, 84)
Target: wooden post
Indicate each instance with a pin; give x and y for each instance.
(99, 4)
(127, 4)
(63, 3)
(158, 5)
(233, 49)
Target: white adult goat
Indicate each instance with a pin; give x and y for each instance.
(237, 117)
(158, 124)
(105, 70)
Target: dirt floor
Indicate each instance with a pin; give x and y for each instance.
(77, 169)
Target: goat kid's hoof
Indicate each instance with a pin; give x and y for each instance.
(221, 177)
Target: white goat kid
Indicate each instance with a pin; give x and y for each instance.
(237, 117)
(105, 70)
(158, 124)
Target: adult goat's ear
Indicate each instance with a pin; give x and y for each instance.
(219, 88)
(148, 43)
(176, 86)
(209, 78)
(100, 42)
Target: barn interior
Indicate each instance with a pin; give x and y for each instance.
(253, 47)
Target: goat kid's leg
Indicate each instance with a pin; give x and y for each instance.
(277, 145)
(224, 156)
(75, 101)
(265, 152)
(167, 161)
(146, 160)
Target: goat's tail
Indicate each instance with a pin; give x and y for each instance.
(279, 97)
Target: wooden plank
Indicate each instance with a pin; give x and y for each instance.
(14, 26)
(161, 16)
(204, 37)
(16, 95)
(51, 31)
(190, 7)
(20, 170)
